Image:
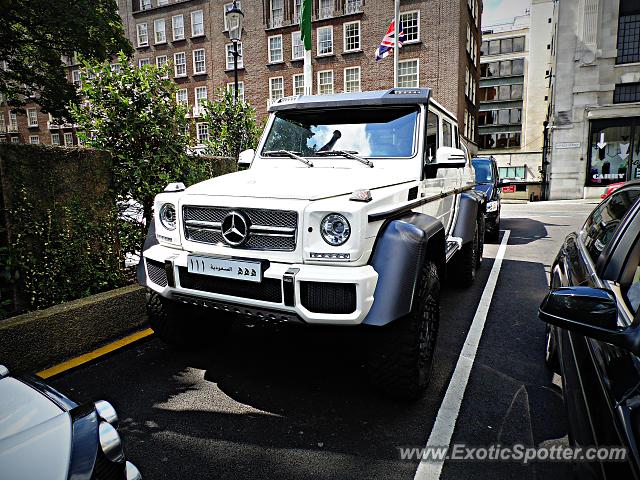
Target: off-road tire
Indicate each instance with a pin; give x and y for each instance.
(465, 262)
(186, 326)
(551, 359)
(400, 355)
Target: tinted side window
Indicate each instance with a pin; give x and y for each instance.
(604, 221)
(432, 136)
(447, 134)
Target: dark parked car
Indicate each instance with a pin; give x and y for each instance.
(593, 337)
(489, 183)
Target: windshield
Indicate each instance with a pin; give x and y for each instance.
(484, 172)
(382, 132)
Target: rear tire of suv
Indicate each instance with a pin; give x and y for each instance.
(401, 353)
(551, 351)
(186, 326)
(466, 261)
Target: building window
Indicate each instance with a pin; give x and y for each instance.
(202, 131)
(144, 61)
(32, 117)
(55, 139)
(500, 140)
(199, 64)
(325, 9)
(159, 30)
(325, 41)
(145, 4)
(201, 96)
(275, 49)
(410, 22)
(352, 79)
(518, 173)
(297, 47)
(277, 13)
(180, 64)
(629, 32)
(161, 61)
(232, 86)
(143, 35)
(298, 84)
(504, 45)
(502, 69)
(518, 44)
(68, 139)
(163, 2)
(34, 139)
(197, 24)
(230, 54)
(13, 122)
(2, 124)
(15, 139)
(177, 23)
(181, 97)
(227, 7)
(627, 93)
(276, 88)
(297, 5)
(408, 73)
(352, 36)
(352, 6)
(325, 82)
(75, 76)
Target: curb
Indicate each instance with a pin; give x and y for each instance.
(37, 340)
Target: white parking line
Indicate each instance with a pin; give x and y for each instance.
(450, 408)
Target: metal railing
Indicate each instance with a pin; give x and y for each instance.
(352, 6)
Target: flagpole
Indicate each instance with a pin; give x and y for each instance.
(396, 46)
(308, 73)
(306, 8)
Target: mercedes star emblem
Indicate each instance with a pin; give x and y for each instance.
(235, 229)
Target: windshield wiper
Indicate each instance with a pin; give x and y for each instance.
(346, 154)
(287, 153)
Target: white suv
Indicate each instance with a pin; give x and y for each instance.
(353, 208)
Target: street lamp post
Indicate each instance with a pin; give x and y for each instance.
(235, 17)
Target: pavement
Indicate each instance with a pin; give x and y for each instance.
(294, 402)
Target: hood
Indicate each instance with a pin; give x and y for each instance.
(298, 183)
(486, 188)
(35, 434)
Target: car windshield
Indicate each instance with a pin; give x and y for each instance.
(483, 171)
(382, 132)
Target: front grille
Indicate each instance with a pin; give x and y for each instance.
(269, 229)
(157, 273)
(269, 290)
(334, 298)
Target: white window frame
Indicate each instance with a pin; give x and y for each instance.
(410, 60)
(2, 123)
(231, 86)
(272, 21)
(176, 65)
(178, 28)
(411, 12)
(162, 30)
(204, 62)
(346, 90)
(162, 3)
(13, 122)
(293, 83)
(66, 136)
(15, 139)
(296, 35)
(144, 61)
(271, 51)
(225, 8)
(31, 111)
(320, 85)
(344, 37)
(198, 100)
(186, 96)
(325, 54)
(193, 23)
(271, 81)
(162, 64)
(146, 5)
(205, 126)
(55, 139)
(75, 77)
(229, 56)
(140, 35)
(36, 138)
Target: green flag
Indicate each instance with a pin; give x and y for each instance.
(305, 23)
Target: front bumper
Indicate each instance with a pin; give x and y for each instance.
(273, 297)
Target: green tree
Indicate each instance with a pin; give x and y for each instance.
(232, 125)
(132, 113)
(35, 36)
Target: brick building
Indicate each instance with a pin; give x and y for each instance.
(441, 51)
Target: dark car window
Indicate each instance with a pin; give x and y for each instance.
(601, 226)
(484, 172)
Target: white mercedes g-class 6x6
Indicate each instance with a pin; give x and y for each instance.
(353, 209)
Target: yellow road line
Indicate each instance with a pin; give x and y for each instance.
(87, 357)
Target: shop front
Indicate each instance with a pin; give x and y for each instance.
(614, 151)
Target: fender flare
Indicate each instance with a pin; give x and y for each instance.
(149, 242)
(402, 247)
(471, 205)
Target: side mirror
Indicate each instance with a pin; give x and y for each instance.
(245, 159)
(592, 312)
(448, 157)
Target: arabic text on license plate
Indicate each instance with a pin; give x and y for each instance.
(222, 267)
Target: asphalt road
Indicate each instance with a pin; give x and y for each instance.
(294, 403)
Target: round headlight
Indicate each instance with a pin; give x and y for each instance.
(106, 412)
(168, 216)
(110, 442)
(335, 229)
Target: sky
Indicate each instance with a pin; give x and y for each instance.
(502, 11)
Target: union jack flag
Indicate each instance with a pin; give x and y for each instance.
(387, 43)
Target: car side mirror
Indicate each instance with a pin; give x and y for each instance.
(245, 159)
(448, 157)
(592, 312)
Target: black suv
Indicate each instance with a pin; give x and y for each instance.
(488, 183)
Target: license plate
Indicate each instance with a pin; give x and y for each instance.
(227, 268)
